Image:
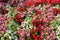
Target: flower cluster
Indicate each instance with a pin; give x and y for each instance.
(19, 19)
(42, 22)
(56, 11)
(3, 24)
(35, 2)
(46, 34)
(29, 19)
(23, 34)
(49, 34)
(3, 9)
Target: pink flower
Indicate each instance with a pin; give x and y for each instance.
(28, 34)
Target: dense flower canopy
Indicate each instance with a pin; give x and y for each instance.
(29, 19)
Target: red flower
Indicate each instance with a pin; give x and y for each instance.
(58, 11)
(4, 11)
(55, 11)
(19, 15)
(41, 1)
(34, 30)
(36, 38)
(19, 19)
(34, 22)
(20, 9)
(41, 20)
(38, 2)
(40, 27)
(54, 1)
(34, 35)
(40, 38)
(38, 11)
(49, 1)
(37, 28)
(29, 3)
(44, 1)
(58, 1)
